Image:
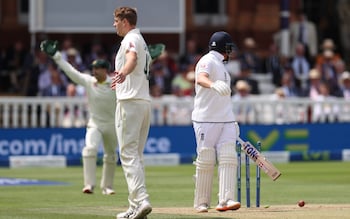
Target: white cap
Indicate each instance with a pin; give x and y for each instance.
(345, 76)
(242, 85)
(314, 74)
(328, 44)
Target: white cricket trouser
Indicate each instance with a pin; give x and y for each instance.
(215, 143)
(132, 125)
(95, 136)
(214, 134)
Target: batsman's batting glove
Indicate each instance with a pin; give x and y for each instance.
(155, 50)
(221, 87)
(49, 47)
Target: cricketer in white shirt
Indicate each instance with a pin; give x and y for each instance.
(100, 127)
(214, 126)
(133, 114)
(208, 105)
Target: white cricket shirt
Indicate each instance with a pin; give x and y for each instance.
(209, 106)
(136, 85)
(101, 98)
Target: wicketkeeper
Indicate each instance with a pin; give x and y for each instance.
(100, 127)
(214, 127)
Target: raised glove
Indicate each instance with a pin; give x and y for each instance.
(156, 49)
(49, 47)
(221, 87)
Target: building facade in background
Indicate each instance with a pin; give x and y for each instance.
(257, 19)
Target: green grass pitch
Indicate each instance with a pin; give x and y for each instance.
(320, 184)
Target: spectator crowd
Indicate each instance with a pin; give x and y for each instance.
(304, 73)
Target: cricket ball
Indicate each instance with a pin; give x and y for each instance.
(301, 203)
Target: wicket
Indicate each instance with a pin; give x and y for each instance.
(247, 174)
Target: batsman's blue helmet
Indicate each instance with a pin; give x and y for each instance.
(222, 42)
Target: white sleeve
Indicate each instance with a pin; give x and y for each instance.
(130, 43)
(70, 71)
(204, 66)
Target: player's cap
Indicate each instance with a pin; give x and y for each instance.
(100, 63)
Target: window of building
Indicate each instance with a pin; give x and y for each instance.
(209, 12)
(207, 6)
(23, 10)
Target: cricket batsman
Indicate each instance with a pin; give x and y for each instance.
(100, 127)
(214, 127)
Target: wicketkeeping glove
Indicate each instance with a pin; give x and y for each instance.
(221, 87)
(49, 47)
(155, 50)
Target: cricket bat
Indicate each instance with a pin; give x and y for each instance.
(259, 159)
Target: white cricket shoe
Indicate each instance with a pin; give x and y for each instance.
(88, 189)
(108, 191)
(127, 214)
(229, 205)
(202, 208)
(142, 210)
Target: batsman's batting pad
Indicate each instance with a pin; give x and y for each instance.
(205, 164)
(155, 50)
(108, 170)
(227, 172)
(49, 47)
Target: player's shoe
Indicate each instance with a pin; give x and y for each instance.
(108, 191)
(202, 208)
(229, 205)
(127, 214)
(88, 189)
(142, 210)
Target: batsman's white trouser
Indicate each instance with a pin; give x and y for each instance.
(227, 159)
(95, 136)
(205, 164)
(132, 125)
(218, 136)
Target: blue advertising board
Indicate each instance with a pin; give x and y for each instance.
(310, 137)
(303, 141)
